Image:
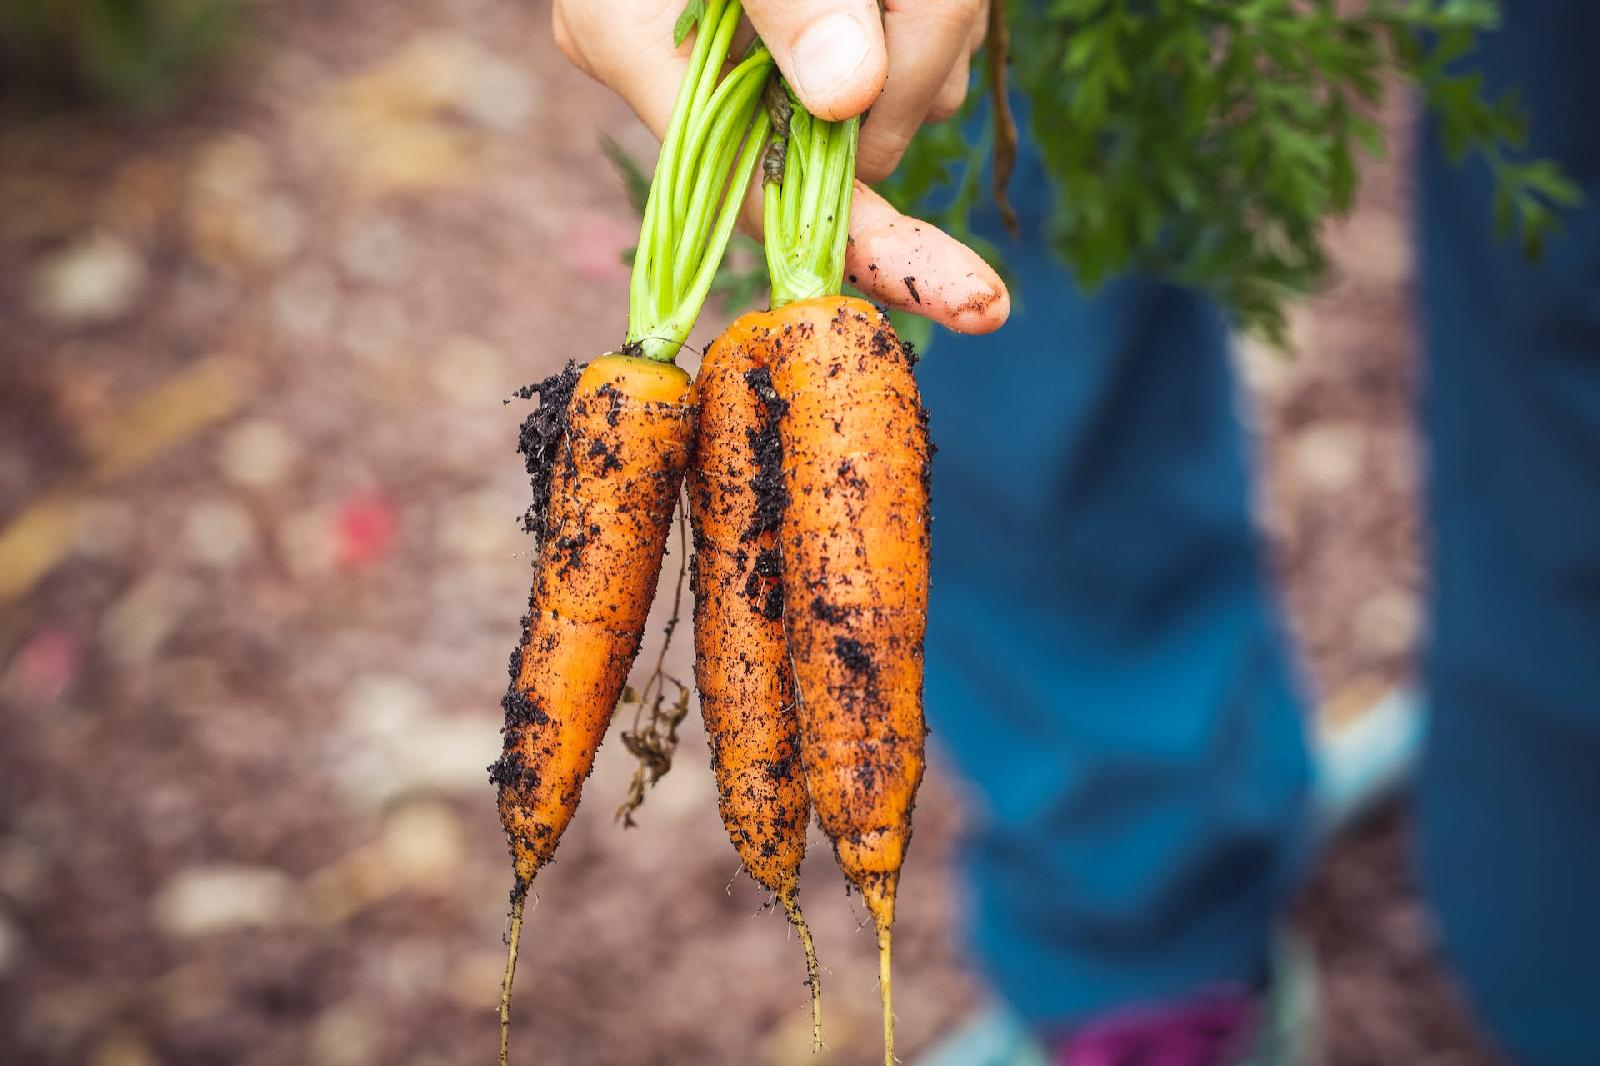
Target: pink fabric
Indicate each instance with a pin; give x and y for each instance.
(1212, 1029)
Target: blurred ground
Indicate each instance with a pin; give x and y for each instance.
(259, 575)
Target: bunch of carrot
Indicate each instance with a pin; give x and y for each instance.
(806, 453)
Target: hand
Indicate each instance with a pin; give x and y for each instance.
(908, 68)
(908, 65)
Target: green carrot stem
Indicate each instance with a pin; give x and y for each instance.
(733, 106)
(681, 321)
(807, 207)
(715, 134)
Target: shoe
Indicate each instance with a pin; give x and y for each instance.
(1212, 1028)
(1224, 1027)
(1365, 752)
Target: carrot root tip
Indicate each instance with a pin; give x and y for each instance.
(791, 905)
(519, 900)
(884, 953)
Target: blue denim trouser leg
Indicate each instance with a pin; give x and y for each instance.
(1510, 790)
(1104, 663)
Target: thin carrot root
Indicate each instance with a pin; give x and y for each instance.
(653, 737)
(791, 906)
(513, 944)
(885, 933)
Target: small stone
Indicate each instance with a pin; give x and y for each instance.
(234, 166)
(1327, 457)
(378, 251)
(91, 282)
(395, 743)
(254, 229)
(219, 532)
(257, 453)
(346, 1034)
(383, 706)
(306, 301)
(204, 900)
(138, 624)
(422, 845)
(1388, 623)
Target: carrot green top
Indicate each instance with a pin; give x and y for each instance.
(809, 180)
(717, 131)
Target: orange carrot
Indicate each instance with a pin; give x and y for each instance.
(854, 535)
(855, 540)
(623, 443)
(741, 658)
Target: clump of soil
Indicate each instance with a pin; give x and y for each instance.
(771, 496)
(539, 441)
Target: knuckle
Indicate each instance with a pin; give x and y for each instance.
(877, 159)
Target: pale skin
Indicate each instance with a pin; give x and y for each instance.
(906, 61)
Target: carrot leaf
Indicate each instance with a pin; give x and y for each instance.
(692, 13)
(1206, 141)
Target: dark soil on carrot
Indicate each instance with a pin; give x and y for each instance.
(771, 496)
(539, 441)
(253, 641)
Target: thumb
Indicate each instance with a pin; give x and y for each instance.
(831, 51)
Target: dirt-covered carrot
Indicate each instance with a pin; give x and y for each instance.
(854, 535)
(607, 451)
(624, 441)
(742, 665)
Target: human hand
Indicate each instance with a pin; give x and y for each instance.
(840, 58)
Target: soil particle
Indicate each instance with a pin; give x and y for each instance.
(849, 478)
(512, 771)
(854, 655)
(539, 440)
(614, 395)
(522, 709)
(771, 496)
(607, 456)
(763, 584)
(824, 611)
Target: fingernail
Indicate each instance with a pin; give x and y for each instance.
(827, 55)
